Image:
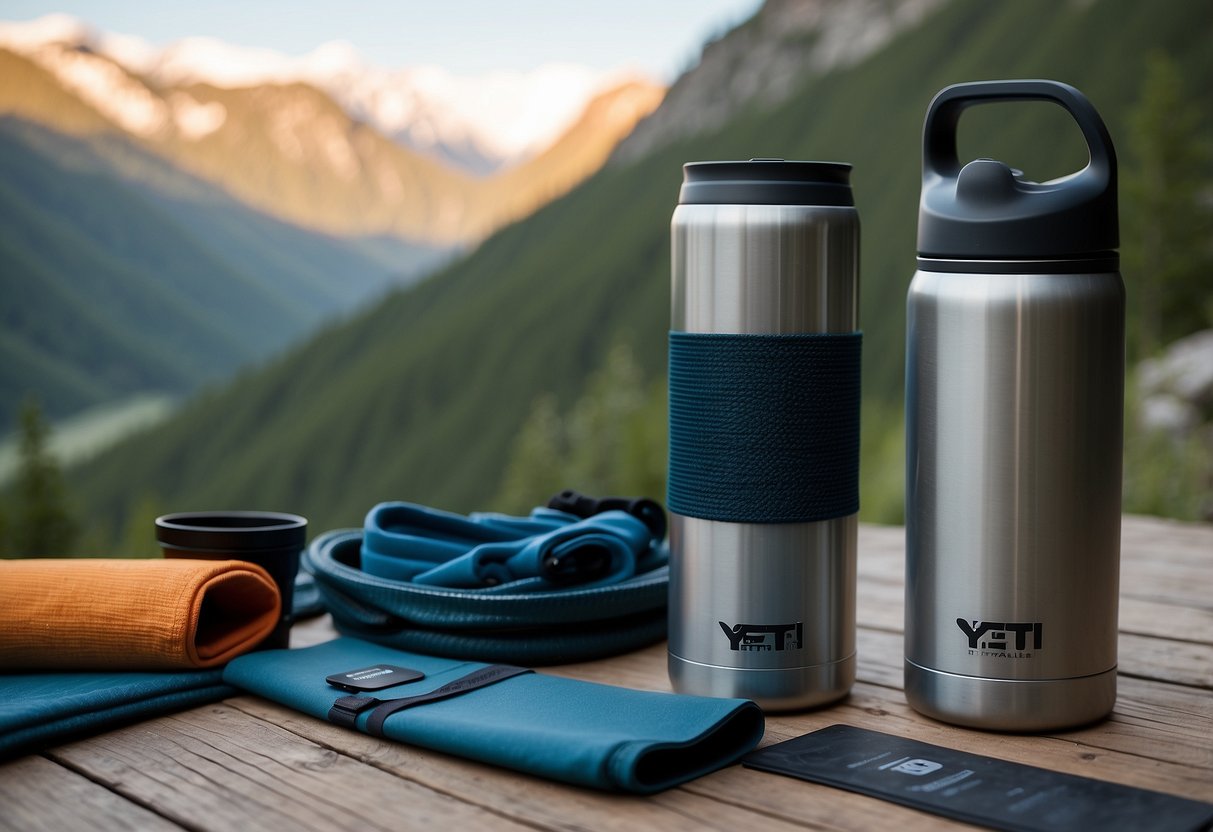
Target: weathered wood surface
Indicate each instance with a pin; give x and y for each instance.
(251, 764)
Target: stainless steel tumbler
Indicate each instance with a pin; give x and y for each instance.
(764, 432)
(1014, 401)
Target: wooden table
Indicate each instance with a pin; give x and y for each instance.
(247, 764)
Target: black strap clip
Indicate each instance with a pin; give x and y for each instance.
(643, 509)
(579, 564)
(345, 710)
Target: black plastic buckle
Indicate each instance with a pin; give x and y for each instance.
(345, 710)
(578, 564)
(643, 509)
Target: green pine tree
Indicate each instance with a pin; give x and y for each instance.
(1167, 186)
(138, 538)
(612, 442)
(535, 469)
(39, 521)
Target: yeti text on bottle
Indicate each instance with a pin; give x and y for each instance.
(996, 633)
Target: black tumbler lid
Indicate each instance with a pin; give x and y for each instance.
(231, 530)
(986, 210)
(766, 182)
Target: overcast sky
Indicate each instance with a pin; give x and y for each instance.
(659, 37)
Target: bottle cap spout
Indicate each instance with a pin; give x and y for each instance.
(986, 209)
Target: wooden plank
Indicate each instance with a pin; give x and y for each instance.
(1160, 735)
(527, 800)
(1170, 620)
(881, 604)
(1145, 623)
(216, 767)
(1163, 561)
(641, 669)
(1175, 584)
(1085, 752)
(1147, 540)
(39, 794)
(1182, 662)
(1171, 541)
(1154, 654)
(1154, 720)
(1161, 721)
(1131, 747)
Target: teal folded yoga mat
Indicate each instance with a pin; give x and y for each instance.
(577, 732)
(39, 710)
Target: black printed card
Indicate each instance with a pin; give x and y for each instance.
(972, 788)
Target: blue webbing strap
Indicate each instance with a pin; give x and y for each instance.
(764, 428)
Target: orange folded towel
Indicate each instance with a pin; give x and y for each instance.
(83, 614)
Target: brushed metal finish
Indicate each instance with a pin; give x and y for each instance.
(1014, 403)
(781, 574)
(764, 269)
(1010, 704)
(784, 689)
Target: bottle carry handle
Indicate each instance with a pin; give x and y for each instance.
(939, 150)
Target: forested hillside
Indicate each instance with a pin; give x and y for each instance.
(111, 289)
(423, 397)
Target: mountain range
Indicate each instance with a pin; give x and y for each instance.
(423, 394)
(423, 397)
(164, 224)
(478, 123)
(289, 139)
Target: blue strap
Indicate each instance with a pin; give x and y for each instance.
(545, 589)
(515, 623)
(429, 547)
(764, 428)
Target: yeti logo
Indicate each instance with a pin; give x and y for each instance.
(764, 637)
(996, 636)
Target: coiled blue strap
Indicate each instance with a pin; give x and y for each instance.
(764, 428)
(509, 623)
(545, 589)
(408, 542)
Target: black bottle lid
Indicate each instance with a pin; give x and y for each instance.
(766, 182)
(986, 210)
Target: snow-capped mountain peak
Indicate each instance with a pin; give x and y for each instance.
(51, 28)
(479, 122)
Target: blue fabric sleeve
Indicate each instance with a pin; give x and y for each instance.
(38, 710)
(764, 428)
(563, 729)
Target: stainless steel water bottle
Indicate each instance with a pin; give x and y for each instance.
(764, 432)
(1014, 403)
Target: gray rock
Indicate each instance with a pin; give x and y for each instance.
(765, 59)
(1164, 412)
(1184, 371)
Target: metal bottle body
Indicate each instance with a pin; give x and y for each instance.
(764, 269)
(1014, 411)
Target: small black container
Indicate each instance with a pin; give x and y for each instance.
(272, 540)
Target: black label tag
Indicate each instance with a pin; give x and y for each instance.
(375, 677)
(994, 793)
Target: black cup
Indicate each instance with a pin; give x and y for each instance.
(271, 540)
